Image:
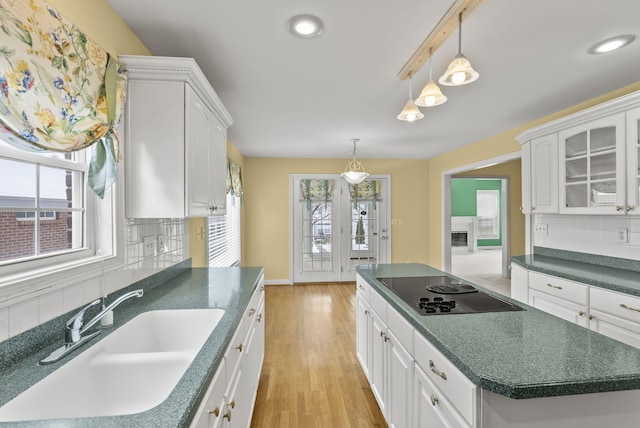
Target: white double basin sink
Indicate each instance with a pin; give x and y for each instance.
(130, 371)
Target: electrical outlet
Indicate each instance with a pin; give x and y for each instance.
(540, 229)
(161, 247)
(622, 235)
(148, 246)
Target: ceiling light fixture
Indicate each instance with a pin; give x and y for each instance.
(305, 25)
(431, 94)
(612, 44)
(410, 112)
(354, 172)
(460, 71)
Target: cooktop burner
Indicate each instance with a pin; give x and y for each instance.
(433, 295)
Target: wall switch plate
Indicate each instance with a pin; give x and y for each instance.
(161, 247)
(622, 235)
(540, 229)
(148, 246)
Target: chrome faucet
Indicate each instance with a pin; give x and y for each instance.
(75, 327)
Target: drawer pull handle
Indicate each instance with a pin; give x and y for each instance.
(557, 287)
(215, 411)
(239, 347)
(622, 305)
(433, 368)
(434, 399)
(251, 312)
(227, 416)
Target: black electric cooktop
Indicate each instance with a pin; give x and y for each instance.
(435, 295)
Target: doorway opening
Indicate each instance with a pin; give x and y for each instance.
(476, 221)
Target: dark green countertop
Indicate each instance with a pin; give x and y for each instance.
(524, 354)
(226, 288)
(609, 277)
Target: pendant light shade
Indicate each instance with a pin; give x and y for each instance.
(460, 71)
(431, 94)
(354, 173)
(410, 112)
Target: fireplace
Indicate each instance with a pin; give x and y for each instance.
(463, 233)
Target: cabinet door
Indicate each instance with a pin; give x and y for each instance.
(363, 333)
(431, 409)
(544, 174)
(218, 171)
(519, 283)
(199, 135)
(526, 177)
(617, 328)
(564, 309)
(633, 161)
(592, 167)
(400, 386)
(212, 405)
(377, 369)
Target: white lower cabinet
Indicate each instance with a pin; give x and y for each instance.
(400, 378)
(231, 395)
(431, 409)
(615, 315)
(564, 309)
(519, 283)
(363, 330)
(565, 299)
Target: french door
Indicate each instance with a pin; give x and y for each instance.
(337, 226)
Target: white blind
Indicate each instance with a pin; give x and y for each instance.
(224, 236)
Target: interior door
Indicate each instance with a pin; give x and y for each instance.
(337, 226)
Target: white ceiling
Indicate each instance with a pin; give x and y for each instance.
(295, 97)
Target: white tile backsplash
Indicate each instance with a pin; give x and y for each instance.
(25, 315)
(590, 234)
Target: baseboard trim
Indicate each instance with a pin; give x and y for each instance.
(277, 282)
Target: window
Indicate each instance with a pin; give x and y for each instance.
(224, 235)
(488, 203)
(49, 221)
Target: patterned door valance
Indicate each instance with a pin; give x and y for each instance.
(316, 190)
(59, 91)
(234, 180)
(368, 190)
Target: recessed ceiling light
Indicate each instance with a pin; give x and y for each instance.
(612, 44)
(305, 26)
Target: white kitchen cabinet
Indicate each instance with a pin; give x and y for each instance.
(175, 140)
(400, 378)
(377, 369)
(633, 161)
(615, 315)
(566, 299)
(231, 395)
(519, 283)
(431, 410)
(540, 175)
(363, 334)
(592, 167)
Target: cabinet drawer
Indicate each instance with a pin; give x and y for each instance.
(211, 407)
(617, 304)
(559, 287)
(378, 304)
(453, 384)
(400, 328)
(431, 407)
(362, 287)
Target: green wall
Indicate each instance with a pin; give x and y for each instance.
(464, 202)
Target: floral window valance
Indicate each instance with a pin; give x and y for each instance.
(234, 180)
(59, 91)
(316, 190)
(368, 190)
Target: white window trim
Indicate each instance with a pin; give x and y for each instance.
(17, 286)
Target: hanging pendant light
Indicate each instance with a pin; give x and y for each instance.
(460, 71)
(354, 172)
(410, 112)
(431, 94)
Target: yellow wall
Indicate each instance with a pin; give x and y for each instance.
(488, 148)
(267, 208)
(100, 22)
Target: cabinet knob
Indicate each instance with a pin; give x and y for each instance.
(215, 411)
(227, 416)
(630, 208)
(618, 208)
(533, 208)
(434, 399)
(251, 312)
(259, 317)
(590, 317)
(232, 404)
(581, 313)
(366, 311)
(239, 347)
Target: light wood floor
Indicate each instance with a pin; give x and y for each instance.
(311, 376)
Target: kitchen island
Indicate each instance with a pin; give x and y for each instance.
(524, 368)
(230, 289)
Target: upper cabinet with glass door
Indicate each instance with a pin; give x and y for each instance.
(592, 167)
(633, 161)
